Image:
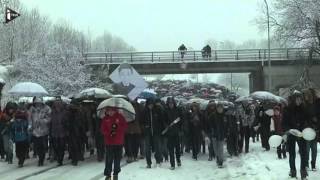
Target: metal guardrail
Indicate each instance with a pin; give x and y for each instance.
(193, 56)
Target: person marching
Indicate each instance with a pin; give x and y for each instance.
(312, 104)
(276, 128)
(294, 117)
(218, 125)
(20, 135)
(173, 132)
(113, 128)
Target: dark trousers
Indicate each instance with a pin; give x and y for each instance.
(265, 134)
(41, 146)
(211, 149)
(313, 146)
(74, 149)
(155, 142)
(174, 149)
(196, 144)
(232, 144)
(244, 138)
(291, 142)
(164, 147)
(100, 146)
(2, 152)
(59, 146)
(282, 151)
(21, 151)
(114, 155)
(142, 146)
(132, 145)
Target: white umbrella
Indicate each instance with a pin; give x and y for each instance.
(95, 92)
(264, 96)
(244, 99)
(28, 89)
(124, 106)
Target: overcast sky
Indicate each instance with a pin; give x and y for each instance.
(153, 25)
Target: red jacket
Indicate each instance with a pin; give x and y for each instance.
(115, 135)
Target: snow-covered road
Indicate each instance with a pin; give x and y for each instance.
(257, 165)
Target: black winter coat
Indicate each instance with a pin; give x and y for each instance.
(171, 115)
(218, 125)
(294, 117)
(153, 121)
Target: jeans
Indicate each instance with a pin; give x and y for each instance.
(313, 146)
(114, 155)
(8, 147)
(291, 142)
(245, 136)
(218, 149)
(155, 142)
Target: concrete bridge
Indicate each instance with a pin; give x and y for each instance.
(286, 64)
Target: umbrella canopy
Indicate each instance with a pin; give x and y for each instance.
(28, 89)
(94, 92)
(202, 102)
(264, 96)
(148, 93)
(282, 100)
(124, 107)
(244, 99)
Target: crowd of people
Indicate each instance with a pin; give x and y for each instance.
(167, 129)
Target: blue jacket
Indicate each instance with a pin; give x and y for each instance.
(19, 130)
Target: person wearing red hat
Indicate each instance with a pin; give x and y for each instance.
(113, 128)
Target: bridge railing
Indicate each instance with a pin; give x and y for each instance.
(189, 56)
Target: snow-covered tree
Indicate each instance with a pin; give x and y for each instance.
(296, 22)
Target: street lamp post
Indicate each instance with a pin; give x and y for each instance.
(269, 61)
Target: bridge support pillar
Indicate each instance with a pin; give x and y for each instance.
(256, 81)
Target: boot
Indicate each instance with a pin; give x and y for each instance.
(293, 173)
(115, 177)
(179, 164)
(313, 166)
(304, 174)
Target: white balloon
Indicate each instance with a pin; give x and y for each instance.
(295, 132)
(275, 141)
(308, 134)
(269, 112)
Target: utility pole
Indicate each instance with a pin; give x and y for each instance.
(269, 60)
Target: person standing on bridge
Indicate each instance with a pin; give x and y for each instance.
(206, 52)
(182, 49)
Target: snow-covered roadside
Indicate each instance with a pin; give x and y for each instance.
(257, 165)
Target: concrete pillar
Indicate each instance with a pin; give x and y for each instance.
(256, 81)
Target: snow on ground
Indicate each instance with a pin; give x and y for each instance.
(256, 165)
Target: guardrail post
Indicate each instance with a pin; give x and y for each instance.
(237, 55)
(111, 57)
(194, 55)
(215, 55)
(106, 57)
(152, 56)
(172, 56)
(131, 59)
(287, 54)
(259, 53)
(265, 54)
